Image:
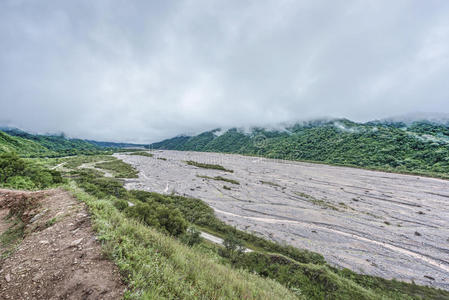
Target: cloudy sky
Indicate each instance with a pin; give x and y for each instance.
(146, 70)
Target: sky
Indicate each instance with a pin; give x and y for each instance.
(142, 71)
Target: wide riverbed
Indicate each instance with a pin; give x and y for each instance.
(384, 224)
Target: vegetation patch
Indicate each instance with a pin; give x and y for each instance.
(269, 183)
(18, 173)
(219, 178)
(11, 238)
(319, 202)
(76, 161)
(141, 153)
(120, 169)
(208, 166)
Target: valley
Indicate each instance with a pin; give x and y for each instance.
(376, 223)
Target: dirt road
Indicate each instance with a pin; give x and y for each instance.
(384, 224)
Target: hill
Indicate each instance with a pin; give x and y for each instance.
(116, 145)
(420, 147)
(37, 145)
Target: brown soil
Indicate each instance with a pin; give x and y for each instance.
(59, 257)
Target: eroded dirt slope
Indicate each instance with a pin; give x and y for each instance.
(59, 257)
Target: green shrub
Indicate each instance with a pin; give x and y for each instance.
(121, 204)
(95, 184)
(233, 248)
(19, 182)
(16, 172)
(160, 216)
(171, 220)
(191, 237)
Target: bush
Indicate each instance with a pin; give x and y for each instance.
(233, 244)
(233, 248)
(191, 237)
(93, 183)
(19, 173)
(160, 216)
(10, 165)
(19, 182)
(121, 204)
(171, 220)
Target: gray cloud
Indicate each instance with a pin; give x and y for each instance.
(146, 70)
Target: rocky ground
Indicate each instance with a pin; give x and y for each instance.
(59, 257)
(384, 224)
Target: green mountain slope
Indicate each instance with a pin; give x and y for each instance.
(22, 146)
(419, 147)
(31, 145)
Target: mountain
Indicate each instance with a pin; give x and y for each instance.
(36, 145)
(116, 145)
(420, 147)
(22, 146)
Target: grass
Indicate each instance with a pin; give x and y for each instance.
(157, 266)
(141, 153)
(76, 161)
(119, 168)
(11, 238)
(50, 222)
(219, 178)
(208, 166)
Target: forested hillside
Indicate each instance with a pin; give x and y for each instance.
(31, 145)
(418, 147)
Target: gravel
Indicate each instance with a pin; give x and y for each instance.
(358, 219)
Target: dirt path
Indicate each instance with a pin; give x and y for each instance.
(58, 166)
(59, 257)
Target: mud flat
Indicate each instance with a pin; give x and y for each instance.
(383, 224)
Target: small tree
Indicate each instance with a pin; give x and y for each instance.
(233, 248)
(191, 237)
